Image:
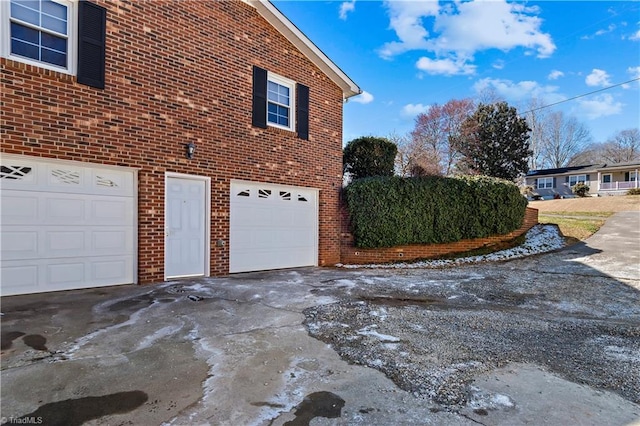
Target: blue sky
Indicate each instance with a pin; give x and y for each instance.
(407, 55)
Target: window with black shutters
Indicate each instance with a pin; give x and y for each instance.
(280, 102)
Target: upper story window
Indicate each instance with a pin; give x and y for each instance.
(576, 179)
(280, 102)
(61, 35)
(39, 32)
(544, 183)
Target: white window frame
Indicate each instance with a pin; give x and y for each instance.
(291, 85)
(72, 24)
(545, 183)
(632, 176)
(578, 179)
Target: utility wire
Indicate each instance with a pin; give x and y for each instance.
(583, 95)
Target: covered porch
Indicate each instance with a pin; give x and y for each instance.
(618, 178)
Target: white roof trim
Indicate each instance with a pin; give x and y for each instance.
(269, 12)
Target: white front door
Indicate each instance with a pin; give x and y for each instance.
(186, 228)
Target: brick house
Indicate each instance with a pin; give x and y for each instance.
(148, 140)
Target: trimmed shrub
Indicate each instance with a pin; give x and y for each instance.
(369, 156)
(580, 189)
(633, 191)
(391, 211)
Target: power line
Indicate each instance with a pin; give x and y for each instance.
(583, 95)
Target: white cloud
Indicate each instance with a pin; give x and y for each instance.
(346, 7)
(459, 29)
(600, 106)
(492, 25)
(445, 67)
(635, 36)
(598, 78)
(364, 98)
(634, 72)
(405, 18)
(517, 92)
(499, 64)
(411, 110)
(600, 32)
(555, 74)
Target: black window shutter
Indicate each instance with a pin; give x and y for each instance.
(588, 178)
(566, 179)
(554, 182)
(535, 183)
(302, 111)
(626, 176)
(92, 43)
(259, 114)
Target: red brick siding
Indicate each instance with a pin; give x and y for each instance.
(179, 72)
(357, 256)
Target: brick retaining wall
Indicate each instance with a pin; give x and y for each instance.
(357, 256)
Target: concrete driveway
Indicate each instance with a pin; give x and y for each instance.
(239, 350)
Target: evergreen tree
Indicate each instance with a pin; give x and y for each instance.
(495, 142)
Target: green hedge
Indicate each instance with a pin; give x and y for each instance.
(391, 211)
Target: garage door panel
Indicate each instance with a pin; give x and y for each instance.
(17, 208)
(271, 227)
(61, 209)
(17, 244)
(62, 221)
(18, 277)
(66, 272)
(65, 243)
(41, 275)
(111, 212)
(112, 242)
(108, 271)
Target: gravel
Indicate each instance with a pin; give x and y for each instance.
(432, 331)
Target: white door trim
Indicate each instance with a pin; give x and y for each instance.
(207, 219)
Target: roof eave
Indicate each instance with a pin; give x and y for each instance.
(269, 12)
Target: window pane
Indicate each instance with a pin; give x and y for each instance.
(54, 43)
(26, 13)
(272, 91)
(25, 34)
(54, 9)
(25, 49)
(278, 93)
(278, 114)
(53, 57)
(54, 24)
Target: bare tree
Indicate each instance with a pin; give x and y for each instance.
(536, 117)
(591, 154)
(624, 147)
(403, 158)
(431, 144)
(563, 138)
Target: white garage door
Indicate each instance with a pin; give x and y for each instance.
(65, 225)
(272, 227)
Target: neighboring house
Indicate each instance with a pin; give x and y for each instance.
(602, 179)
(150, 140)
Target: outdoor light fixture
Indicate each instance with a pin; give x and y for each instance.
(190, 149)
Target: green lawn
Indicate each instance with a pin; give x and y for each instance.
(576, 226)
